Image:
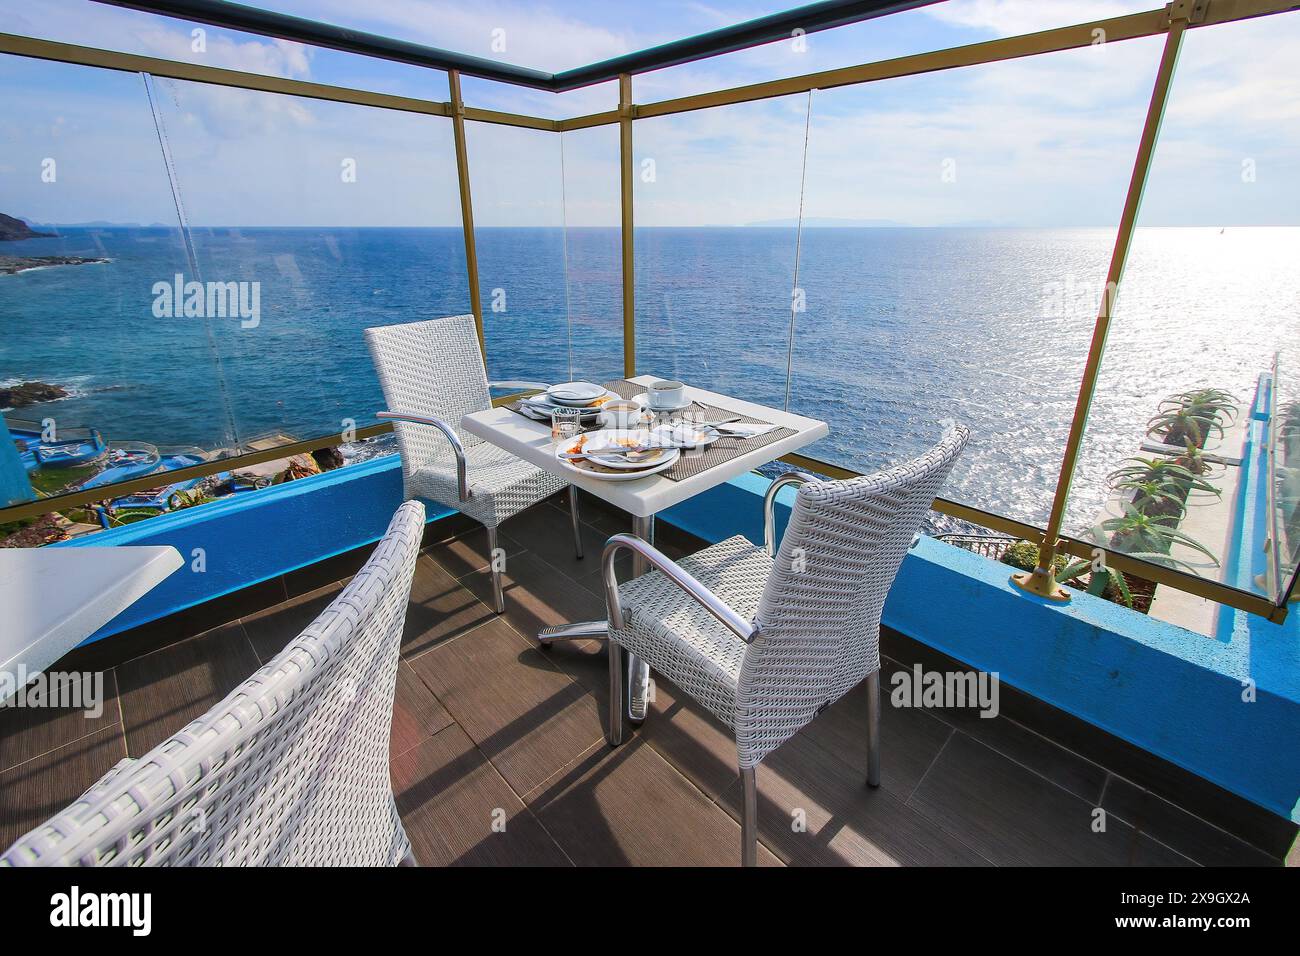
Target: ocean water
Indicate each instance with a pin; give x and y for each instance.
(895, 331)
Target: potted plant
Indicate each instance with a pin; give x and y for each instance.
(1150, 537)
(1192, 418)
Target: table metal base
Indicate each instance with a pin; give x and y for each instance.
(637, 681)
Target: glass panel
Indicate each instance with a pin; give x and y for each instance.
(717, 207)
(937, 26)
(113, 391)
(593, 249)
(957, 228)
(101, 26)
(325, 218)
(1208, 300)
(517, 185)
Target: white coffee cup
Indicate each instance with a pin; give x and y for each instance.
(622, 414)
(666, 395)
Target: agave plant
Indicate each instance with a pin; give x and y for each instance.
(1184, 426)
(1191, 418)
(1194, 461)
(1166, 472)
(1204, 401)
(1099, 580)
(1155, 497)
(1150, 537)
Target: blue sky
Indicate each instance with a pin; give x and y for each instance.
(1041, 142)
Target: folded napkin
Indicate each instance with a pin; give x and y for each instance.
(746, 429)
(617, 440)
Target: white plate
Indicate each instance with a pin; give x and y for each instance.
(624, 475)
(575, 392)
(549, 401)
(612, 438)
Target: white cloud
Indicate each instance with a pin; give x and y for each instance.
(1013, 17)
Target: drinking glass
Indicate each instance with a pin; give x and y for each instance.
(566, 423)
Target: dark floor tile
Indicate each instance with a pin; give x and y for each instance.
(816, 810)
(457, 810)
(468, 552)
(32, 792)
(910, 738)
(1063, 767)
(1252, 823)
(1178, 829)
(417, 714)
(596, 512)
(1012, 816)
(524, 714)
(163, 691)
(537, 595)
(690, 738)
(270, 631)
(549, 535)
(180, 626)
(447, 527)
(628, 806)
(31, 730)
(441, 608)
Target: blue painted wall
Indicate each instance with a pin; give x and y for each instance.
(14, 486)
(250, 538)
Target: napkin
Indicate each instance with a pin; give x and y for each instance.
(747, 429)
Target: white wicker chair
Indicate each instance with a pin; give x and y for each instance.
(432, 375)
(290, 769)
(766, 639)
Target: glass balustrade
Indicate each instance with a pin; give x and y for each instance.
(1186, 437)
(884, 256)
(716, 214)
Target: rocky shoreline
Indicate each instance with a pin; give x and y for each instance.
(11, 265)
(30, 393)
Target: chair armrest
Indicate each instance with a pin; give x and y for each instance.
(462, 480)
(745, 630)
(769, 505)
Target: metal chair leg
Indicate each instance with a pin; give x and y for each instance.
(749, 818)
(573, 517)
(873, 730)
(498, 598)
(615, 732)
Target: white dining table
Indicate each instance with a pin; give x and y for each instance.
(642, 498)
(52, 599)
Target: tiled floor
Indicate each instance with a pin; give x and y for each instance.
(498, 753)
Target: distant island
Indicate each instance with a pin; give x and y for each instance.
(830, 222)
(12, 229)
